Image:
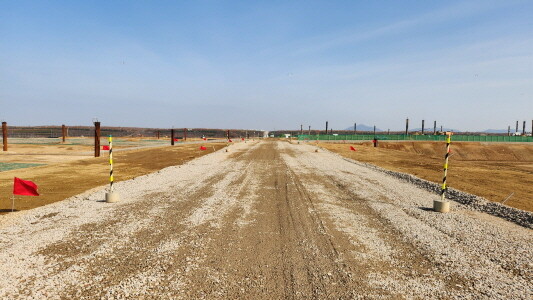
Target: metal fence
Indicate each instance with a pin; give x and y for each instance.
(88, 131)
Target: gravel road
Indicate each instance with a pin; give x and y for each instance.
(266, 220)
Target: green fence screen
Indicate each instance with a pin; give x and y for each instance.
(403, 137)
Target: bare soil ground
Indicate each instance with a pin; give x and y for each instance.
(266, 220)
(490, 170)
(73, 169)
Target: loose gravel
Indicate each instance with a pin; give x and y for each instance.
(266, 220)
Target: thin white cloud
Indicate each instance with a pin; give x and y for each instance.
(353, 36)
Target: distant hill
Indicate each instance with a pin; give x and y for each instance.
(363, 127)
(427, 129)
(496, 131)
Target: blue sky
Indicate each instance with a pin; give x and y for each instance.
(267, 65)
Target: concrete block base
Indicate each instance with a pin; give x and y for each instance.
(441, 206)
(112, 197)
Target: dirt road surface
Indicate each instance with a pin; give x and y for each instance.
(266, 220)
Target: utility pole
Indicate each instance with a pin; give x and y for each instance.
(64, 132)
(434, 127)
(374, 131)
(524, 129)
(407, 126)
(509, 130)
(422, 127)
(96, 139)
(172, 138)
(354, 128)
(301, 129)
(184, 134)
(516, 130)
(4, 135)
(327, 127)
(309, 130)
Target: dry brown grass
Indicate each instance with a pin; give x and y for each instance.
(490, 170)
(69, 173)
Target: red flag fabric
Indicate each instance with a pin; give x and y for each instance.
(205, 139)
(243, 139)
(203, 148)
(230, 141)
(175, 140)
(24, 188)
(105, 147)
(352, 148)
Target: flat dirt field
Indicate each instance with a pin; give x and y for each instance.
(490, 170)
(68, 170)
(266, 220)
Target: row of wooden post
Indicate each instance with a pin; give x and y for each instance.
(64, 132)
(97, 136)
(406, 128)
(4, 134)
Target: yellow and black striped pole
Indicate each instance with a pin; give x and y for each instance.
(111, 179)
(111, 196)
(442, 205)
(448, 142)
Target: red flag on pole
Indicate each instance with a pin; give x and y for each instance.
(242, 139)
(205, 139)
(352, 148)
(105, 147)
(230, 141)
(203, 148)
(24, 188)
(176, 140)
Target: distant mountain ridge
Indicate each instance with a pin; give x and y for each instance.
(497, 131)
(427, 129)
(363, 127)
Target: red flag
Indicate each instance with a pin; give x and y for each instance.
(105, 147)
(176, 140)
(203, 148)
(205, 139)
(243, 139)
(24, 188)
(230, 141)
(352, 148)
